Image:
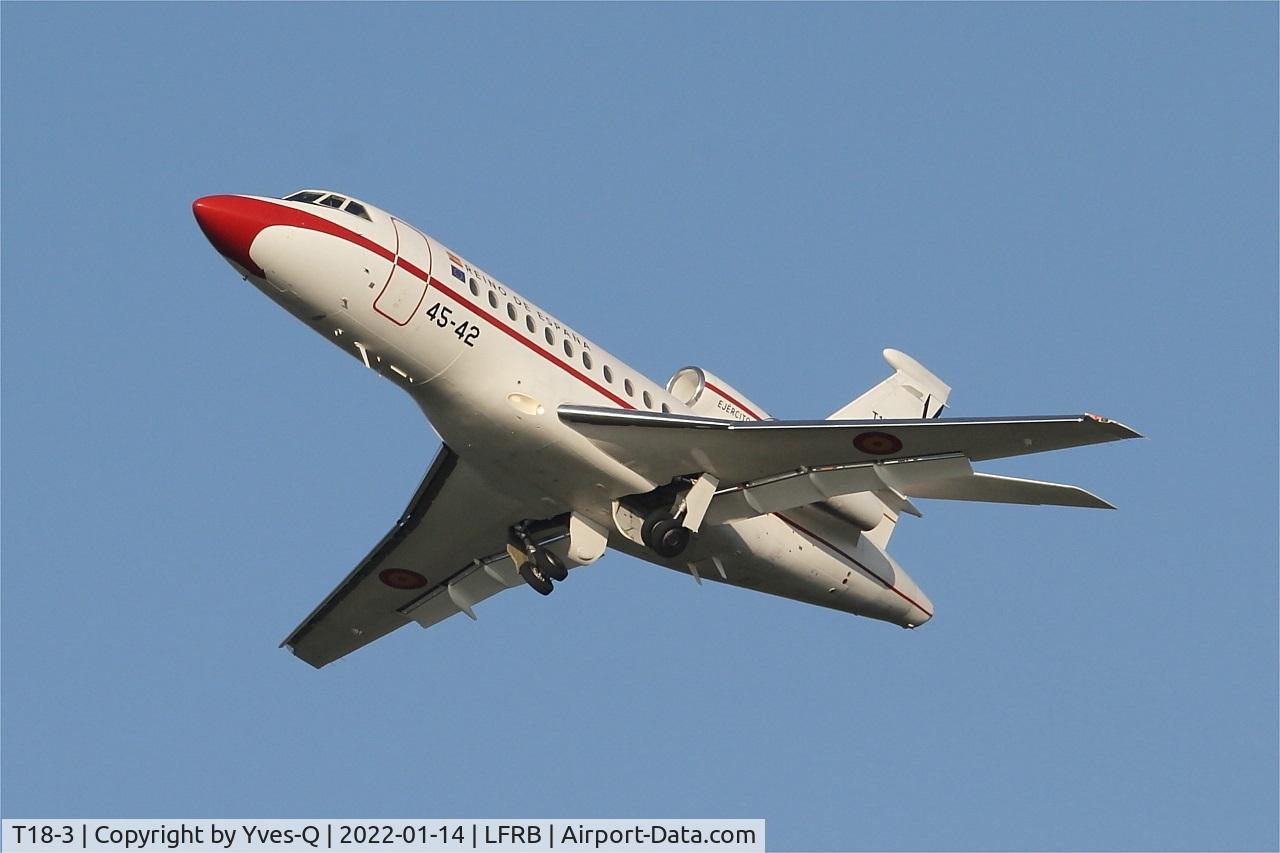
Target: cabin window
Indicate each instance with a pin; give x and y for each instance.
(549, 335)
(332, 201)
(528, 322)
(586, 359)
(511, 312)
(608, 374)
(666, 410)
(358, 209)
(628, 387)
(493, 299)
(568, 348)
(475, 288)
(648, 401)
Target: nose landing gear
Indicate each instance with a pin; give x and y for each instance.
(549, 564)
(534, 577)
(538, 566)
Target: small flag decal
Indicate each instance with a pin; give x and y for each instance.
(458, 274)
(454, 259)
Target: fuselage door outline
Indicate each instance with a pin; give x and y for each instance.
(405, 290)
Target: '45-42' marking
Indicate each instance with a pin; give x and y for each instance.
(464, 331)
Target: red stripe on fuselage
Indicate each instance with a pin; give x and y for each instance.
(889, 586)
(735, 401)
(583, 378)
(303, 219)
(413, 270)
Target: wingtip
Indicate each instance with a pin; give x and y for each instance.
(284, 644)
(1120, 430)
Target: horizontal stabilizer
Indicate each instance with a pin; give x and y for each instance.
(990, 488)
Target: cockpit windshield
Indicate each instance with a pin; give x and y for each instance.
(307, 196)
(333, 200)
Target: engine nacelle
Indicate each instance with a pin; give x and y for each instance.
(710, 396)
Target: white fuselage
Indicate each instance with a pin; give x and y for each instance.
(489, 369)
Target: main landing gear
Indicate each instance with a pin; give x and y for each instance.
(665, 535)
(671, 513)
(539, 566)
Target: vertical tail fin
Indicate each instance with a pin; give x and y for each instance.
(912, 391)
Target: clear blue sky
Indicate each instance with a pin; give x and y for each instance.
(1058, 208)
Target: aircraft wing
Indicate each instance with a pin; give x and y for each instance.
(444, 554)
(662, 446)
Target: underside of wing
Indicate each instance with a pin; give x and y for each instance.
(449, 542)
(662, 446)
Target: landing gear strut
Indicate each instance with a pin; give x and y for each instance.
(666, 536)
(540, 566)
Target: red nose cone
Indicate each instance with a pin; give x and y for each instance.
(231, 222)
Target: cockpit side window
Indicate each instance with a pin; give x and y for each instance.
(358, 209)
(333, 201)
(306, 195)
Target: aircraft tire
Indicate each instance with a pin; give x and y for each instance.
(646, 529)
(665, 536)
(541, 583)
(549, 565)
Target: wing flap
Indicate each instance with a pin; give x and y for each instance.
(433, 608)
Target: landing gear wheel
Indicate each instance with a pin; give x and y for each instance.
(549, 565)
(664, 535)
(534, 578)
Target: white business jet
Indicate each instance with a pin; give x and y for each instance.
(554, 450)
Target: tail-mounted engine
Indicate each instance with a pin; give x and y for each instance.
(710, 396)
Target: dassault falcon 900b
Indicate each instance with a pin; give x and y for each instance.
(554, 450)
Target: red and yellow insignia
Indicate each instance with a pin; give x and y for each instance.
(877, 443)
(402, 579)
